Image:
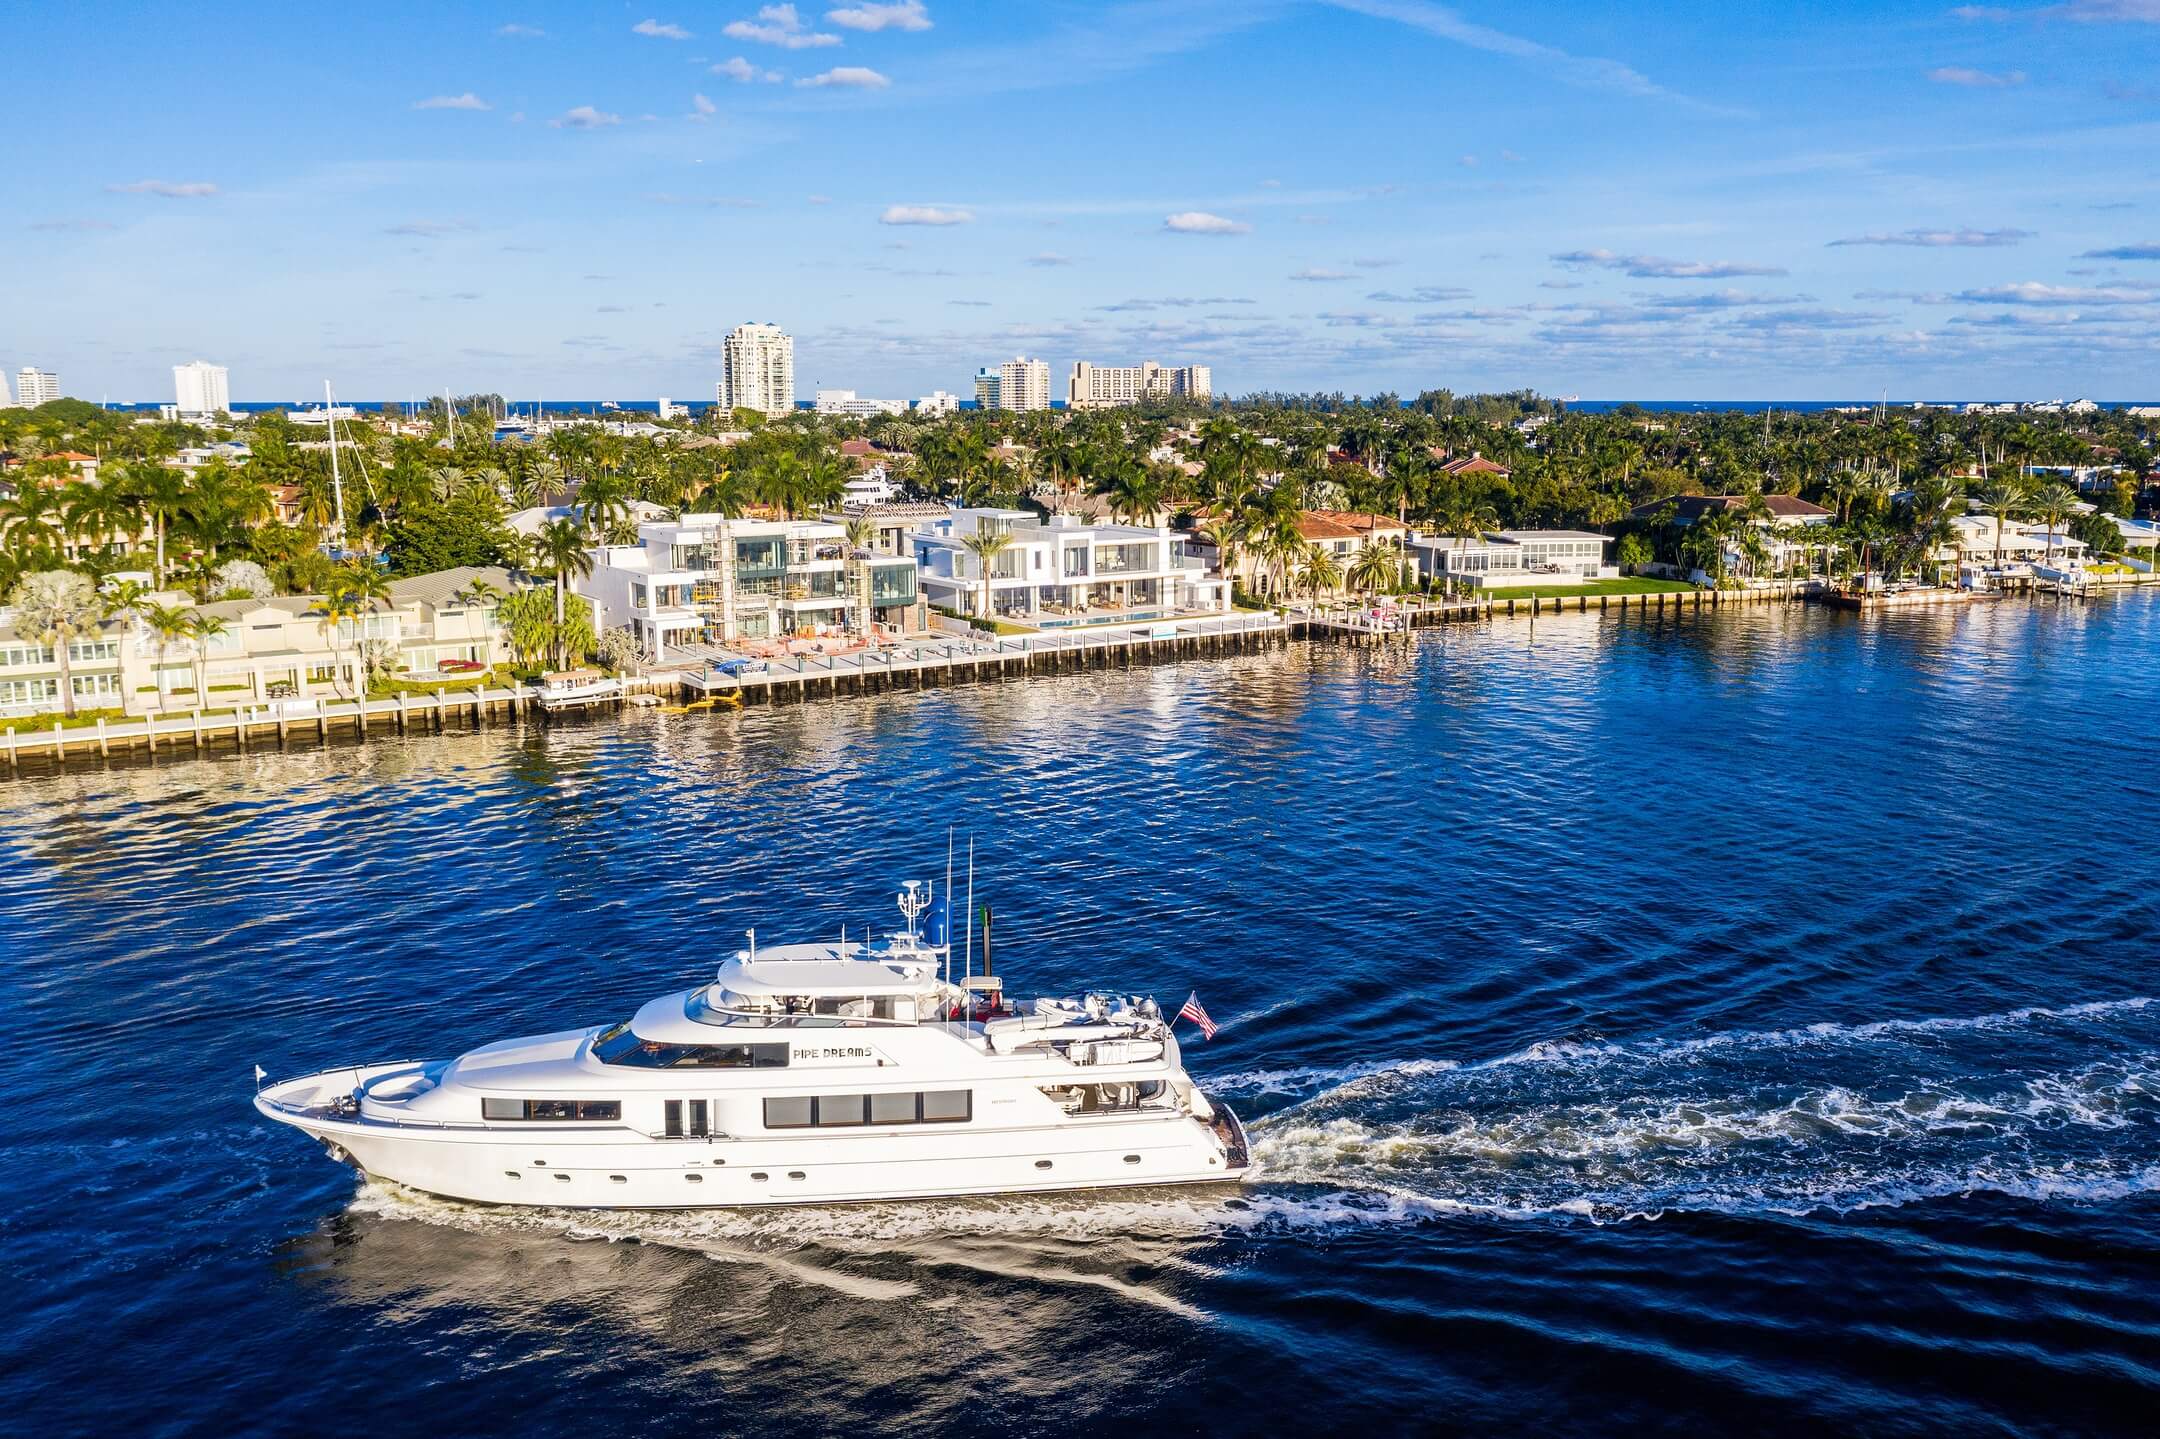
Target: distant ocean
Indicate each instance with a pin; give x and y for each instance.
(1589, 407)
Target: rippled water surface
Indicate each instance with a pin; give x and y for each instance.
(1744, 1022)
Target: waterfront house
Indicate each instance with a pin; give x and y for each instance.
(1341, 534)
(1055, 571)
(282, 648)
(1500, 558)
(709, 579)
(1983, 543)
(1783, 524)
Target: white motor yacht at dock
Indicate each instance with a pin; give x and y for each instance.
(803, 1073)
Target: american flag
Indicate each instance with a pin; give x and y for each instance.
(1197, 1015)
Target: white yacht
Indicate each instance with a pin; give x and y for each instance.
(802, 1074)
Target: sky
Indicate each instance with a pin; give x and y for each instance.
(1710, 201)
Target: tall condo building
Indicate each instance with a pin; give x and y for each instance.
(758, 369)
(1022, 384)
(7, 401)
(199, 389)
(36, 387)
(986, 389)
(1096, 387)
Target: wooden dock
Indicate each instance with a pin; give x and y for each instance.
(968, 658)
(275, 725)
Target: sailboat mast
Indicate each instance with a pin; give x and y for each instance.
(337, 486)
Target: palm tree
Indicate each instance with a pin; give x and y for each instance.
(2003, 499)
(1376, 567)
(986, 546)
(1465, 520)
(166, 623)
(1317, 570)
(341, 607)
(162, 494)
(563, 556)
(200, 630)
(2053, 505)
(55, 606)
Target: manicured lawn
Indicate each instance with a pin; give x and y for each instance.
(1628, 585)
(31, 724)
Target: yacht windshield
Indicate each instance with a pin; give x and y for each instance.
(621, 1045)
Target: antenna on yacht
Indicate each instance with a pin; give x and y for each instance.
(969, 972)
(753, 946)
(948, 903)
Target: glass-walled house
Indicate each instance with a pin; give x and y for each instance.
(708, 579)
(1060, 571)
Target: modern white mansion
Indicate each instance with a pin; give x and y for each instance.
(1057, 570)
(710, 579)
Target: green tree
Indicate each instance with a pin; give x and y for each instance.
(56, 607)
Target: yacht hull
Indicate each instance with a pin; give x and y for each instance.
(603, 1167)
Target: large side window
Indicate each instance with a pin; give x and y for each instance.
(845, 1111)
(550, 1108)
(837, 1110)
(948, 1106)
(892, 1108)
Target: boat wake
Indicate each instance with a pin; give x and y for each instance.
(2050, 1105)
(2040, 1104)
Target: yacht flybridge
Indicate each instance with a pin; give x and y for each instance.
(803, 1073)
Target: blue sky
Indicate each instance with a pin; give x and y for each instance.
(1706, 200)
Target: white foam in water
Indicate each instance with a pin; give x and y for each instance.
(1564, 1052)
(1296, 1080)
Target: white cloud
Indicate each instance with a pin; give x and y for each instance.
(1976, 79)
(700, 107)
(1940, 239)
(1590, 72)
(520, 32)
(907, 15)
(924, 215)
(743, 72)
(1200, 222)
(424, 229)
(660, 30)
(849, 77)
(170, 189)
(1048, 259)
(2033, 292)
(1656, 267)
(778, 25)
(1319, 276)
(2083, 12)
(584, 117)
(466, 101)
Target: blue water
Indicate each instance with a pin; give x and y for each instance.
(1743, 1022)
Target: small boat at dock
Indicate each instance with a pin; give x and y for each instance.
(578, 689)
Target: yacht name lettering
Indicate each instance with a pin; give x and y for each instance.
(834, 1051)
